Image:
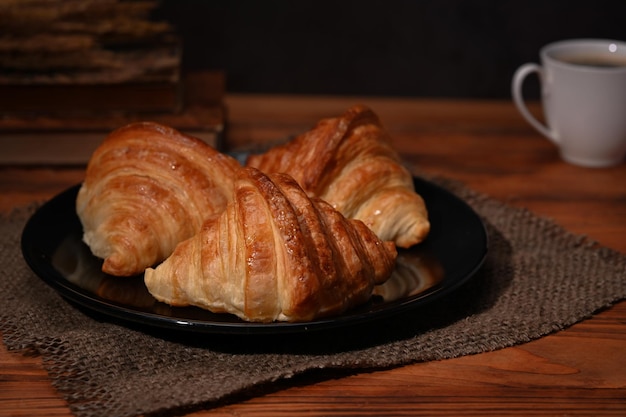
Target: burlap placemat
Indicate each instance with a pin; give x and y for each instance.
(537, 279)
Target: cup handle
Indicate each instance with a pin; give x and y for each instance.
(516, 89)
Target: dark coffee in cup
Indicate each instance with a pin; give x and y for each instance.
(596, 61)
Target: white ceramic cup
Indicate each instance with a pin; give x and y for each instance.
(583, 95)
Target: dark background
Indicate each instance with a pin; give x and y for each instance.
(421, 48)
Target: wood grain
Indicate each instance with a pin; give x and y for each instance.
(580, 371)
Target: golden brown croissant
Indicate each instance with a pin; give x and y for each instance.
(147, 188)
(274, 255)
(348, 161)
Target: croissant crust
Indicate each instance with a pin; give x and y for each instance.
(274, 254)
(349, 162)
(147, 188)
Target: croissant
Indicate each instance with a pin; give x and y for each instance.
(148, 187)
(349, 162)
(274, 254)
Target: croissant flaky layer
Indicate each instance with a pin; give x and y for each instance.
(349, 162)
(147, 188)
(274, 254)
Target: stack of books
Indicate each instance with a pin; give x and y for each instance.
(73, 70)
(70, 138)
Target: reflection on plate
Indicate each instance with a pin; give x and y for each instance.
(452, 253)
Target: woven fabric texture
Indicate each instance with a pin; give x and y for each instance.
(538, 278)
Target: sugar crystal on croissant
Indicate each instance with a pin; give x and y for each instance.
(274, 254)
(349, 162)
(147, 188)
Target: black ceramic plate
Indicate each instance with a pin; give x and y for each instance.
(452, 253)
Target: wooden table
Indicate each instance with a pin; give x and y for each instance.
(486, 144)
